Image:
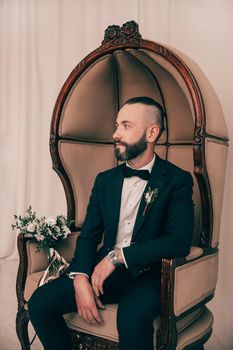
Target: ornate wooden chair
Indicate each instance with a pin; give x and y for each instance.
(195, 138)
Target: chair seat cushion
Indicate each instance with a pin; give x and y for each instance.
(107, 331)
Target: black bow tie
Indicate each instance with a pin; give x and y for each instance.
(143, 174)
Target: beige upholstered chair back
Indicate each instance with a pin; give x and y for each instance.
(195, 136)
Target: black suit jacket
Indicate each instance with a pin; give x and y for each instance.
(165, 231)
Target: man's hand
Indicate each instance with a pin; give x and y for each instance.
(101, 272)
(86, 300)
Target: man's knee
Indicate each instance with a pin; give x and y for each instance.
(38, 304)
(53, 299)
(133, 319)
(34, 303)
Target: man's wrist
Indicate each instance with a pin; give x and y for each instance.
(114, 257)
(119, 255)
(81, 277)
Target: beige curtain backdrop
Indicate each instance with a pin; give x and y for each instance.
(41, 41)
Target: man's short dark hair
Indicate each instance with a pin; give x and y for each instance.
(148, 101)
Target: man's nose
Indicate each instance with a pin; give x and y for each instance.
(116, 135)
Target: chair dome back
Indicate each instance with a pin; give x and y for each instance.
(195, 135)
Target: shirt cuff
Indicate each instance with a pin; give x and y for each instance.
(72, 274)
(123, 257)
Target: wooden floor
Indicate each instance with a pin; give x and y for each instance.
(8, 307)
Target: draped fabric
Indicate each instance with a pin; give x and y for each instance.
(41, 41)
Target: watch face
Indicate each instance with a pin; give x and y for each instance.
(112, 254)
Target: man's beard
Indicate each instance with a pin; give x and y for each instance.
(131, 151)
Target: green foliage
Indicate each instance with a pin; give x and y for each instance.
(46, 232)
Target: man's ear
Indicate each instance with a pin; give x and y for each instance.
(152, 133)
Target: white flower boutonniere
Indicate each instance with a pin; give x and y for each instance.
(150, 196)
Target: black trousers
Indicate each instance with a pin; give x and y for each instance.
(139, 304)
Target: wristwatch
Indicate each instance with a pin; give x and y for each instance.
(113, 258)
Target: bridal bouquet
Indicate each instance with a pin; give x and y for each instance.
(45, 232)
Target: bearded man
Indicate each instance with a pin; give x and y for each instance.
(142, 212)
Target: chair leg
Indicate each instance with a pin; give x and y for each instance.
(22, 320)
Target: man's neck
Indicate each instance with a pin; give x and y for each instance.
(141, 161)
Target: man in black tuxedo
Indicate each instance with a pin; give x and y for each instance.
(142, 211)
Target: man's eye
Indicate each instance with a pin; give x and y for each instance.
(126, 126)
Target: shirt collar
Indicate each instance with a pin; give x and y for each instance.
(148, 166)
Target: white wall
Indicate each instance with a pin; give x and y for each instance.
(204, 31)
(42, 41)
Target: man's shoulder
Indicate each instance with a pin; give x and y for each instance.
(173, 169)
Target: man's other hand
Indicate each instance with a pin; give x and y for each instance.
(86, 300)
(101, 272)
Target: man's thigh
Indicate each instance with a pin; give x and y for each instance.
(140, 299)
(121, 287)
(56, 296)
(115, 284)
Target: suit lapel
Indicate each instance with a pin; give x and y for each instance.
(115, 199)
(156, 181)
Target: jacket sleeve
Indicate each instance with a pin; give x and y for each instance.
(90, 235)
(177, 237)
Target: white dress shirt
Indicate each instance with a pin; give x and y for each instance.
(132, 190)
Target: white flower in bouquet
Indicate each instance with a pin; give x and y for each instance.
(50, 221)
(57, 229)
(62, 219)
(31, 227)
(50, 232)
(44, 231)
(65, 230)
(39, 237)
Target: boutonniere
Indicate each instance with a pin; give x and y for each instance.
(150, 196)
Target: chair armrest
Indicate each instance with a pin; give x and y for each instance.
(180, 292)
(194, 253)
(31, 260)
(195, 281)
(37, 259)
